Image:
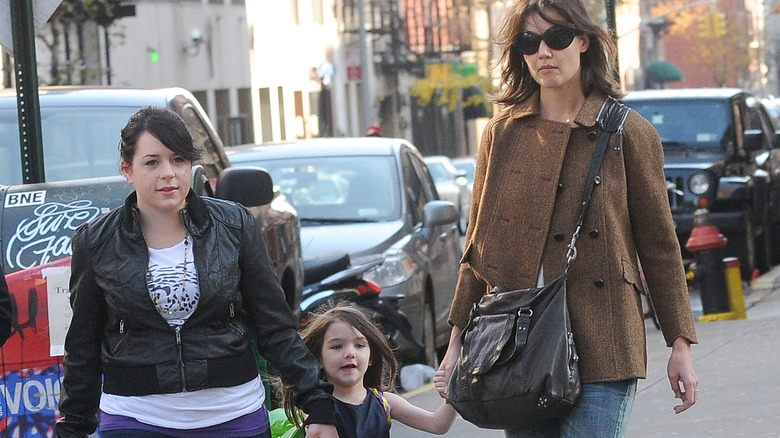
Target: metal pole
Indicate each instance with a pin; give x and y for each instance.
(26, 77)
(107, 42)
(365, 80)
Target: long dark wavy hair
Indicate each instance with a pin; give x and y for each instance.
(597, 62)
(382, 366)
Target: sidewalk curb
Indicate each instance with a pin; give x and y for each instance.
(761, 287)
(418, 391)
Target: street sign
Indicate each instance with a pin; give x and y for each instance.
(354, 73)
(42, 11)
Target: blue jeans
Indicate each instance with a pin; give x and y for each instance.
(603, 412)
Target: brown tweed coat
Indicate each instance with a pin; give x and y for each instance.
(527, 192)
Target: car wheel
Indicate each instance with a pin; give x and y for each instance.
(430, 357)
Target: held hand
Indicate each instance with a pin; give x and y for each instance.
(440, 382)
(321, 431)
(682, 375)
(442, 377)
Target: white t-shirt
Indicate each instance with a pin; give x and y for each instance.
(188, 410)
(173, 285)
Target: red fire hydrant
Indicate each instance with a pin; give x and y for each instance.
(706, 242)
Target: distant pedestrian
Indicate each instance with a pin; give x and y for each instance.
(374, 131)
(5, 309)
(532, 165)
(356, 358)
(168, 292)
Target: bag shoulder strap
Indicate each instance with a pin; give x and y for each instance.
(610, 119)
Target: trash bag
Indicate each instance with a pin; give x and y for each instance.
(415, 376)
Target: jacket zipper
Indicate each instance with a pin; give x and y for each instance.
(181, 362)
(232, 313)
(121, 338)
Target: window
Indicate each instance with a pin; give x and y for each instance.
(337, 189)
(294, 13)
(265, 115)
(210, 159)
(76, 144)
(415, 193)
(245, 112)
(316, 12)
(282, 127)
(672, 119)
(222, 101)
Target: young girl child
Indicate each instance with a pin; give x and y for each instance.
(356, 359)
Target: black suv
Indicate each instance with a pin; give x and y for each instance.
(721, 153)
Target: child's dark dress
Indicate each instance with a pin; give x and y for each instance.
(368, 419)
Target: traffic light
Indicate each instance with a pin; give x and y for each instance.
(154, 56)
(719, 26)
(704, 24)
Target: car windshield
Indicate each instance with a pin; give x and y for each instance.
(700, 124)
(77, 142)
(438, 172)
(337, 189)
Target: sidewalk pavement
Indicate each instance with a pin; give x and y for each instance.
(737, 362)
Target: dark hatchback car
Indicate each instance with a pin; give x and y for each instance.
(720, 153)
(369, 196)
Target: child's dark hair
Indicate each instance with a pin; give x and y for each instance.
(382, 366)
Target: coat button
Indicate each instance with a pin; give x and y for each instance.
(560, 188)
(558, 236)
(599, 283)
(591, 135)
(594, 233)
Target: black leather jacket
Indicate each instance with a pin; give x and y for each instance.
(118, 335)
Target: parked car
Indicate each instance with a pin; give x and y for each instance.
(467, 165)
(720, 152)
(772, 105)
(368, 196)
(452, 186)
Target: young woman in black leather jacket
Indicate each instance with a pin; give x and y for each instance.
(166, 292)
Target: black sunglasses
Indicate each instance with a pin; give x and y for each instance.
(557, 37)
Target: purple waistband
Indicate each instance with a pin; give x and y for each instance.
(248, 425)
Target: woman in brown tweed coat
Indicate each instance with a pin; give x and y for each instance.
(531, 170)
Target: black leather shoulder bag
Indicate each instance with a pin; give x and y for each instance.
(518, 364)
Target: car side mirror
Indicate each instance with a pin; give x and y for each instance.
(250, 186)
(437, 213)
(199, 181)
(752, 140)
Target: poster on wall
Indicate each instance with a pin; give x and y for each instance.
(60, 313)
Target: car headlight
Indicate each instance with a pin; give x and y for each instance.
(699, 184)
(397, 268)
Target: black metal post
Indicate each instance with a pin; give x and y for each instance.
(108, 54)
(26, 77)
(711, 278)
